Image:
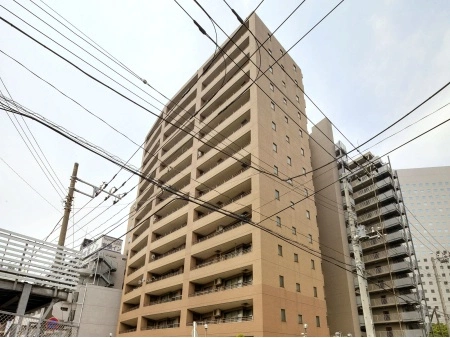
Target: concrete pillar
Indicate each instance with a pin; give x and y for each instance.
(22, 306)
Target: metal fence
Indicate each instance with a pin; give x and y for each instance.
(13, 325)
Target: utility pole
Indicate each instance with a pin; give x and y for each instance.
(363, 292)
(68, 206)
(69, 199)
(442, 259)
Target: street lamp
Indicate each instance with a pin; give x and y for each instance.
(206, 329)
(305, 333)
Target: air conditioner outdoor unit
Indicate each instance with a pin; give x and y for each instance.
(219, 228)
(218, 281)
(153, 257)
(217, 313)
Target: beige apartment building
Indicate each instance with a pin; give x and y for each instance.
(393, 285)
(189, 263)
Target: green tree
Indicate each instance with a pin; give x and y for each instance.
(439, 330)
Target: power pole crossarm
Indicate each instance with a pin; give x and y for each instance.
(68, 206)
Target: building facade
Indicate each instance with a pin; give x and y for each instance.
(426, 192)
(393, 282)
(190, 263)
(94, 305)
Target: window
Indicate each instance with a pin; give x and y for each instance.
(295, 68)
(270, 51)
(308, 214)
(281, 280)
(310, 238)
(271, 69)
(274, 147)
(292, 204)
(283, 315)
(274, 126)
(286, 119)
(294, 230)
(278, 221)
(272, 105)
(297, 98)
(283, 83)
(284, 100)
(297, 287)
(269, 36)
(317, 321)
(296, 258)
(288, 140)
(302, 151)
(303, 171)
(306, 192)
(271, 86)
(277, 195)
(289, 161)
(281, 51)
(299, 115)
(280, 250)
(275, 170)
(300, 132)
(313, 264)
(315, 291)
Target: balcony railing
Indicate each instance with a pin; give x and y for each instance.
(164, 300)
(133, 289)
(169, 232)
(131, 309)
(223, 258)
(225, 204)
(202, 153)
(168, 275)
(162, 326)
(402, 316)
(221, 288)
(225, 229)
(400, 333)
(169, 213)
(182, 247)
(218, 163)
(235, 319)
(128, 330)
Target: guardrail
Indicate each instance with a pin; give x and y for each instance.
(27, 259)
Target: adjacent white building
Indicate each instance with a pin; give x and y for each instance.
(426, 193)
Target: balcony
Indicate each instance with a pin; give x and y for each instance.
(161, 326)
(364, 180)
(400, 333)
(219, 230)
(238, 138)
(374, 189)
(376, 201)
(401, 299)
(400, 251)
(388, 211)
(231, 66)
(167, 297)
(172, 154)
(394, 268)
(408, 316)
(407, 282)
(169, 209)
(238, 251)
(224, 198)
(177, 168)
(221, 288)
(394, 237)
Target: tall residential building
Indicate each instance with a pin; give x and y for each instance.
(393, 282)
(427, 196)
(188, 263)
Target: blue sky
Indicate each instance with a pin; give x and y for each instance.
(366, 65)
